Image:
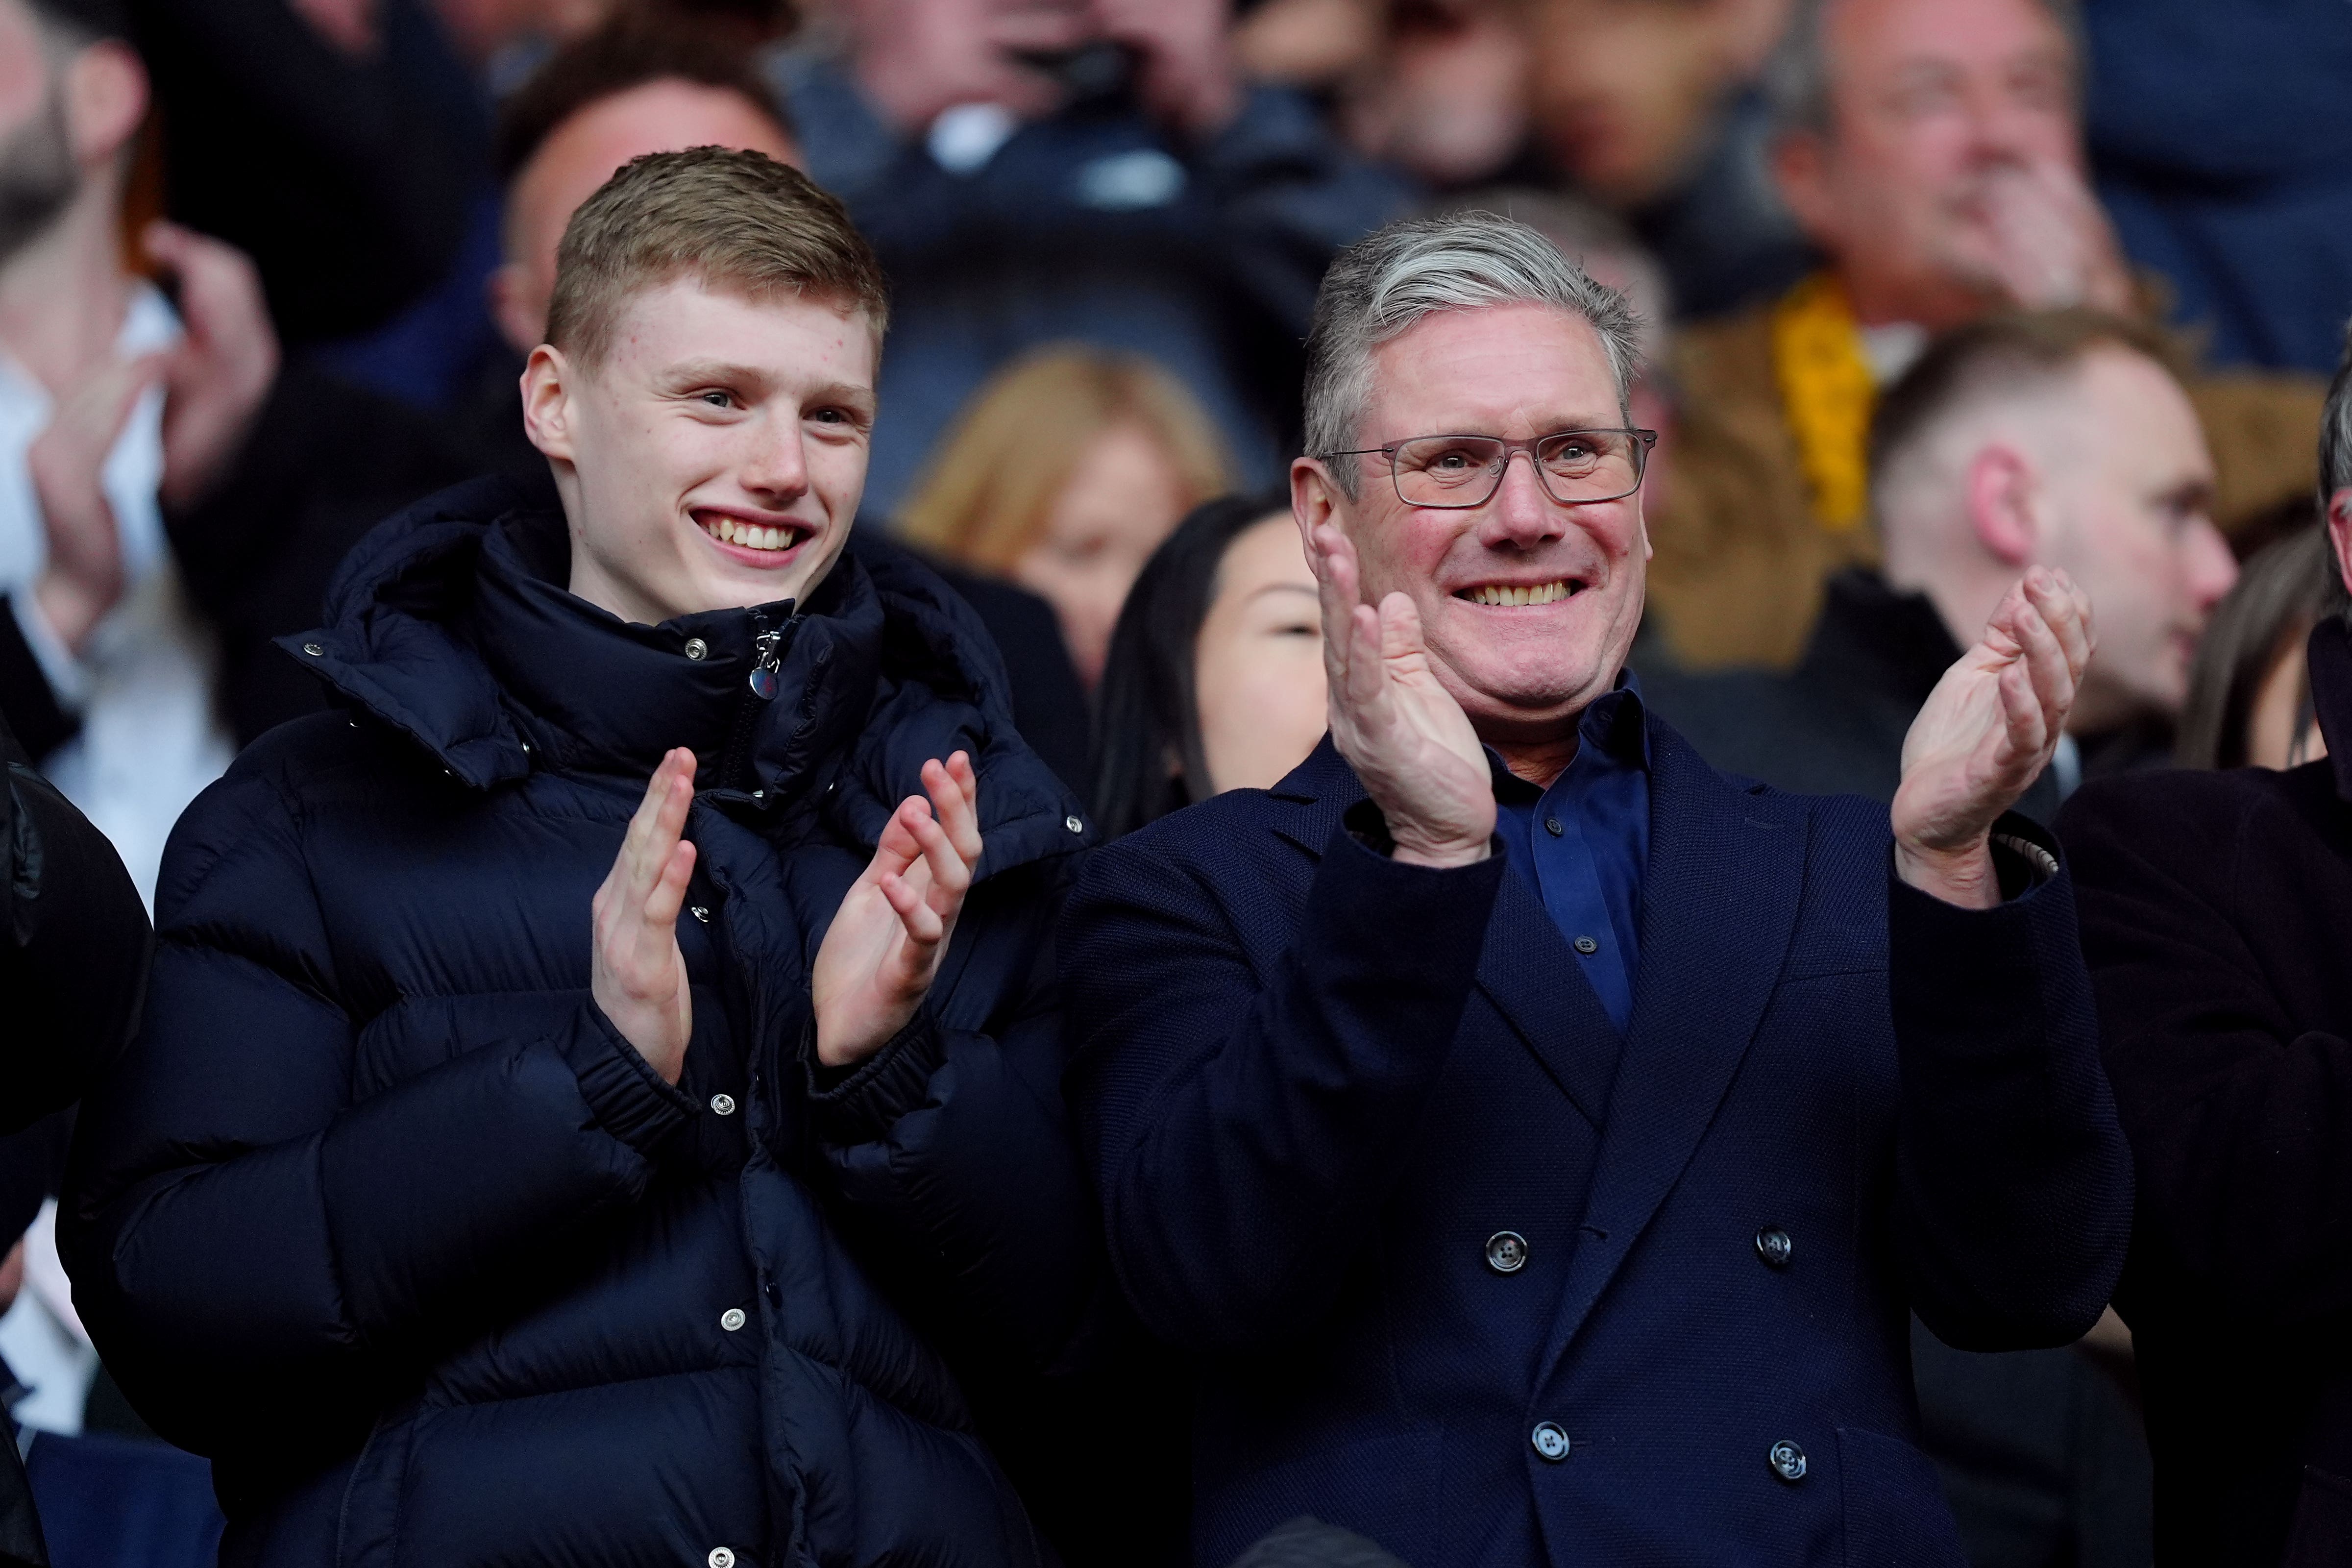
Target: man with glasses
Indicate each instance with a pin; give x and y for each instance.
(1539, 1139)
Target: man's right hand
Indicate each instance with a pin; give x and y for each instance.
(638, 974)
(84, 576)
(1402, 731)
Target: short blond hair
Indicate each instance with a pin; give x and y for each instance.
(730, 218)
(990, 486)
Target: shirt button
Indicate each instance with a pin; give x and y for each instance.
(1552, 827)
(1506, 1252)
(1587, 946)
(731, 1318)
(1773, 1246)
(721, 1558)
(1549, 1441)
(1788, 1461)
(696, 648)
(722, 1104)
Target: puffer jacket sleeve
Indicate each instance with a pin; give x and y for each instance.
(257, 1251)
(952, 1144)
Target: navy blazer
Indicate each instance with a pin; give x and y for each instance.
(1317, 1086)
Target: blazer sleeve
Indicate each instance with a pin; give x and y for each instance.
(254, 1242)
(1240, 1108)
(2013, 1183)
(2239, 1112)
(953, 1150)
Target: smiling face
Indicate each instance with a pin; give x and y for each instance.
(714, 456)
(1527, 607)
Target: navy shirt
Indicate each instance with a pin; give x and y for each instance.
(1582, 844)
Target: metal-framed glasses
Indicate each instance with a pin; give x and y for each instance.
(1576, 467)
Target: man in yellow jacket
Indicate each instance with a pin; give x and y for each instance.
(1932, 150)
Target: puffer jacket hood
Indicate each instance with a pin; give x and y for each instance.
(382, 1216)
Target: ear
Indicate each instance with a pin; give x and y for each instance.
(521, 319)
(106, 99)
(1315, 497)
(1800, 162)
(547, 412)
(2339, 529)
(2003, 493)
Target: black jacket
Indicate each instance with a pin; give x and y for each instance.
(2217, 915)
(74, 951)
(383, 1217)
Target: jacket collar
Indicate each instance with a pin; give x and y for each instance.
(1879, 638)
(447, 622)
(2329, 657)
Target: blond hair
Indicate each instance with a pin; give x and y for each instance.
(729, 219)
(989, 487)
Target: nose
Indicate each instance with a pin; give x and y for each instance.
(775, 471)
(1522, 513)
(2211, 569)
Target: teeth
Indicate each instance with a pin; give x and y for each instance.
(1501, 594)
(751, 535)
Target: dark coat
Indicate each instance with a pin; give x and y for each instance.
(383, 1217)
(2217, 914)
(1316, 1086)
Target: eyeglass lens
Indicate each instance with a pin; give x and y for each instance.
(1464, 470)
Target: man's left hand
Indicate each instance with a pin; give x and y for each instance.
(1986, 733)
(883, 949)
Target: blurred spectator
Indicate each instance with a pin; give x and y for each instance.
(1063, 475)
(1930, 148)
(2058, 440)
(1034, 173)
(1653, 107)
(627, 89)
(2216, 910)
(175, 498)
(338, 143)
(1216, 678)
(2232, 180)
(2249, 691)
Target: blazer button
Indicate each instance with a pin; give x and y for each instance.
(1788, 1461)
(1506, 1252)
(1550, 1441)
(1773, 1246)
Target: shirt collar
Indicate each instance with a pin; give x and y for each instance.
(1615, 726)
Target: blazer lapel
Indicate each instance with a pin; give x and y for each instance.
(1319, 792)
(1718, 908)
(1536, 982)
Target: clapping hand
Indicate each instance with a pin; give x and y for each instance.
(637, 973)
(883, 949)
(1986, 733)
(2053, 248)
(216, 379)
(1402, 731)
(67, 461)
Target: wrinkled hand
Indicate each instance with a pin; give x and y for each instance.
(638, 974)
(84, 576)
(883, 949)
(1986, 733)
(1185, 74)
(215, 379)
(1402, 731)
(2052, 245)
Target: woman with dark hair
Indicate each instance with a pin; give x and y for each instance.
(2250, 691)
(1214, 680)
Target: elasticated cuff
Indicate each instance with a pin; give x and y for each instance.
(859, 1106)
(630, 1099)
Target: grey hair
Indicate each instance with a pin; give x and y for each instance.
(2335, 463)
(1797, 76)
(1384, 283)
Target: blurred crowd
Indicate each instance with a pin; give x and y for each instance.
(1930, 292)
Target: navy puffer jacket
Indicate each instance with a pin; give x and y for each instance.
(382, 1214)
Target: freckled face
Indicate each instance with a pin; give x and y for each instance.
(714, 458)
